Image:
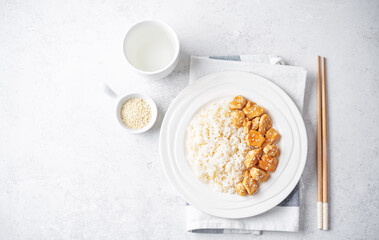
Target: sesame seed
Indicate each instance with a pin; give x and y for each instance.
(136, 113)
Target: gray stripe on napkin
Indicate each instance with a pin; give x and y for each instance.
(292, 199)
(227, 58)
(208, 230)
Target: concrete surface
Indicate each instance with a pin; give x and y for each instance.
(68, 171)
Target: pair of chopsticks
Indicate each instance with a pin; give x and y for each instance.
(322, 150)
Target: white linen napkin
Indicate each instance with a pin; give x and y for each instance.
(285, 216)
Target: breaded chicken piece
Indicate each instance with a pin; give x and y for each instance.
(258, 174)
(238, 103)
(253, 110)
(240, 188)
(265, 124)
(249, 183)
(254, 138)
(237, 118)
(268, 163)
(271, 150)
(252, 157)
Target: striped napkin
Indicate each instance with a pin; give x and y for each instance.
(285, 216)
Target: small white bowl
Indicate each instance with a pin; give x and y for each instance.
(152, 48)
(154, 111)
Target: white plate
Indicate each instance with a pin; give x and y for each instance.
(286, 119)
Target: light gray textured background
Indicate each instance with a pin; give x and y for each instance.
(67, 171)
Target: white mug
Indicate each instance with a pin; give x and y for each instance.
(152, 49)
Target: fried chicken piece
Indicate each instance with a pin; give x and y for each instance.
(271, 150)
(254, 138)
(240, 188)
(272, 136)
(252, 157)
(237, 118)
(259, 175)
(266, 143)
(265, 124)
(255, 123)
(268, 163)
(253, 110)
(238, 103)
(249, 183)
(246, 125)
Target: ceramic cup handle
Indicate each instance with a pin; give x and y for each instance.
(108, 90)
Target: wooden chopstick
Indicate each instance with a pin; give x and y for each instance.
(322, 149)
(325, 210)
(319, 148)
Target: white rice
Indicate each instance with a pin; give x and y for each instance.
(216, 149)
